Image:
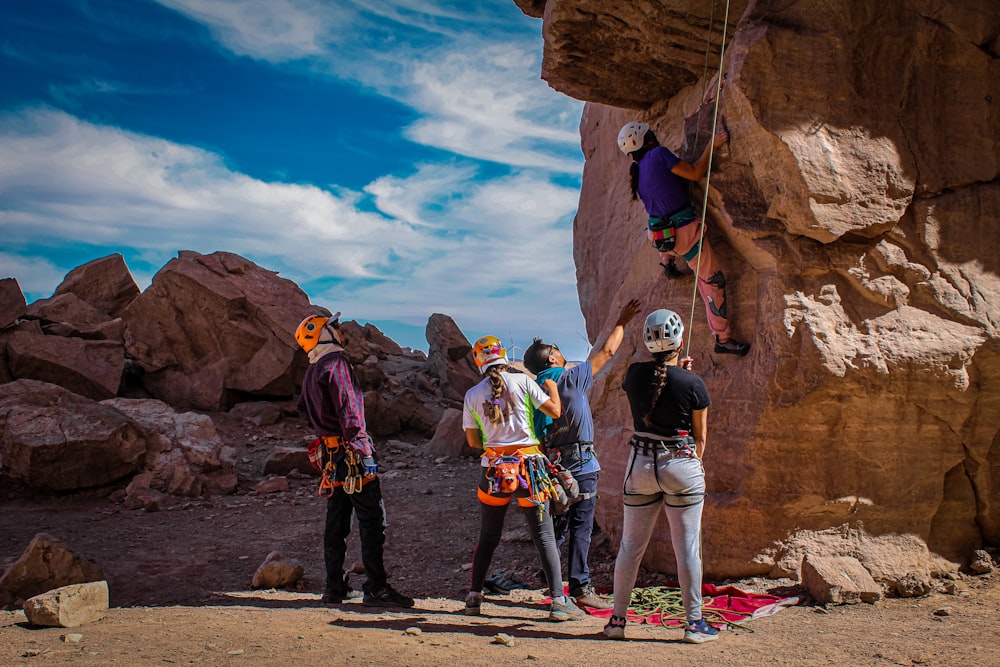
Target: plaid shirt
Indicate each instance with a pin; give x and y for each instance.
(333, 402)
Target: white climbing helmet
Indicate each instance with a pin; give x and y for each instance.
(632, 136)
(663, 331)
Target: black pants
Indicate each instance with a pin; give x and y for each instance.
(491, 529)
(370, 511)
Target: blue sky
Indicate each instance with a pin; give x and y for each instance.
(395, 159)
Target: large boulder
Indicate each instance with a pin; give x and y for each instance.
(449, 357)
(185, 455)
(212, 330)
(92, 368)
(68, 606)
(105, 283)
(53, 439)
(45, 564)
(859, 238)
(449, 437)
(69, 315)
(12, 304)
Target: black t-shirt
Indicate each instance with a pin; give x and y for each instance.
(683, 394)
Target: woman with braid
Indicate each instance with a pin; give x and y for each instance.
(498, 420)
(669, 406)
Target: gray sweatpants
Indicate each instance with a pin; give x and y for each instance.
(678, 485)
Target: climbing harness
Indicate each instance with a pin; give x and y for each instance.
(327, 454)
(711, 154)
(680, 446)
(526, 469)
(662, 232)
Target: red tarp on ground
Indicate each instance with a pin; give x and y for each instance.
(728, 602)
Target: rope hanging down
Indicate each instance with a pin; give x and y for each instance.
(711, 154)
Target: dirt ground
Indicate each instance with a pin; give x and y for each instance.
(180, 588)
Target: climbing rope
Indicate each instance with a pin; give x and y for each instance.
(668, 605)
(711, 154)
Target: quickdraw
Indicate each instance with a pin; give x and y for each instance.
(506, 473)
(354, 479)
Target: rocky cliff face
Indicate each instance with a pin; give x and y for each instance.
(855, 211)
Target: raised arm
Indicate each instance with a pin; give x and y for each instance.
(695, 172)
(602, 355)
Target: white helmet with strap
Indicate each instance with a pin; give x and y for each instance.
(663, 331)
(632, 136)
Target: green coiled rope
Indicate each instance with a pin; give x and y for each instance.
(668, 603)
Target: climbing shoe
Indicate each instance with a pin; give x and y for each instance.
(615, 629)
(670, 270)
(503, 581)
(700, 632)
(386, 597)
(473, 604)
(587, 597)
(565, 611)
(731, 346)
(336, 597)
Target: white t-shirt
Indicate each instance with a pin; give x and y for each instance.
(518, 403)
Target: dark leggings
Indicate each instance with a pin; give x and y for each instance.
(542, 534)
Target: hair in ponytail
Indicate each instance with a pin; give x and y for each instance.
(649, 141)
(492, 408)
(659, 381)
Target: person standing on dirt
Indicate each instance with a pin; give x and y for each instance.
(660, 179)
(669, 406)
(497, 418)
(569, 442)
(333, 402)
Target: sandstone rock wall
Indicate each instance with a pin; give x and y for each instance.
(856, 211)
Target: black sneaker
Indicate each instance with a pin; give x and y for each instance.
(386, 597)
(336, 597)
(731, 346)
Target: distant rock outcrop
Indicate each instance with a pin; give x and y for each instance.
(449, 357)
(856, 211)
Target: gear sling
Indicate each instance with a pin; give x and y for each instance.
(325, 456)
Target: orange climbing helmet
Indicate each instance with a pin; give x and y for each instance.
(632, 136)
(489, 351)
(308, 334)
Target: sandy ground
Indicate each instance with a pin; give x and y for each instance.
(179, 582)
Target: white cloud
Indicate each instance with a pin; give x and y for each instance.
(274, 30)
(489, 253)
(471, 74)
(33, 274)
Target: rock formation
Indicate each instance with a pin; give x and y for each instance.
(855, 210)
(45, 564)
(213, 329)
(53, 439)
(211, 332)
(12, 304)
(449, 357)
